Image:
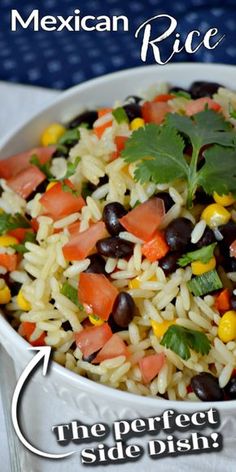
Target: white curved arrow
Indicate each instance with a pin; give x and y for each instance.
(44, 353)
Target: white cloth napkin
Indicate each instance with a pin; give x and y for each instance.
(40, 411)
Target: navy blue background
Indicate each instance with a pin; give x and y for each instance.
(61, 59)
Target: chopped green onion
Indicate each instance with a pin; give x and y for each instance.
(70, 292)
(205, 283)
(204, 255)
(181, 93)
(71, 167)
(70, 137)
(120, 115)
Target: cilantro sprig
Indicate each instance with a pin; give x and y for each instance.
(204, 255)
(45, 168)
(180, 340)
(10, 222)
(20, 248)
(159, 152)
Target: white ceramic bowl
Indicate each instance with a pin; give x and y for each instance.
(91, 399)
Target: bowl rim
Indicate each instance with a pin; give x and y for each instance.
(77, 380)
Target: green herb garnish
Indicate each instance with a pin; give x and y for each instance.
(204, 255)
(205, 283)
(159, 152)
(70, 292)
(20, 248)
(71, 168)
(66, 188)
(120, 115)
(45, 168)
(182, 94)
(10, 222)
(232, 112)
(180, 340)
(70, 137)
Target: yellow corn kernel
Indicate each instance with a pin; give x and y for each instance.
(134, 283)
(227, 327)
(52, 134)
(137, 123)
(95, 320)
(22, 302)
(5, 295)
(215, 215)
(6, 241)
(224, 200)
(199, 268)
(159, 329)
(50, 185)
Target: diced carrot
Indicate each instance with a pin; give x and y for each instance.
(163, 97)
(222, 302)
(91, 339)
(99, 130)
(144, 219)
(114, 347)
(9, 261)
(196, 106)
(120, 142)
(26, 329)
(150, 366)
(104, 111)
(156, 248)
(81, 244)
(98, 292)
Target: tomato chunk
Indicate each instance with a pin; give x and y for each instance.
(12, 165)
(195, 106)
(114, 347)
(233, 249)
(20, 233)
(26, 330)
(144, 219)
(90, 340)
(120, 142)
(26, 181)
(81, 244)
(9, 261)
(150, 366)
(164, 97)
(59, 202)
(97, 291)
(156, 248)
(155, 112)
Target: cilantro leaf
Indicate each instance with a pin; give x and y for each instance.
(70, 292)
(161, 151)
(120, 115)
(219, 171)
(71, 168)
(20, 248)
(66, 188)
(180, 340)
(70, 137)
(182, 94)
(204, 255)
(45, 168)
(9, 222)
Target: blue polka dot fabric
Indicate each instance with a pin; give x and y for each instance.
(60, 59)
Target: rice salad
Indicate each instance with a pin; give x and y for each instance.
(118, 243)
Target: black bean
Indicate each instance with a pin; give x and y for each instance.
(15, 287)
(41, 188)
(201, 89)
(233, 302)
(88, 117)
(123, 309)
(133, 99)
(169, 262)
(66, 326)
(207, 238)
(228, 232)
(206, 387)
(114, 247)
(111, 214)
(133, 110)
(97, 265)
(230, 389)
(168, 201)
(178, 234)
(229, 264)
(202, 198)
(178, 89)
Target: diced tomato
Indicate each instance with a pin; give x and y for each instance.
(114, 347)
(155, 112)
(91, 339)
(150, 366)
(26, 181)
(26, 330)
(145, 218)
(35, 224)
(156, 248)
(81, 244)
(74, 228)
(98, 292)
(20, 233)
(120, 142)
(222, 302)
(189, 389)
(12, 165)
(233, 249)
(195, 106)
(58, 202)
(9, 261)
(163, 97)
